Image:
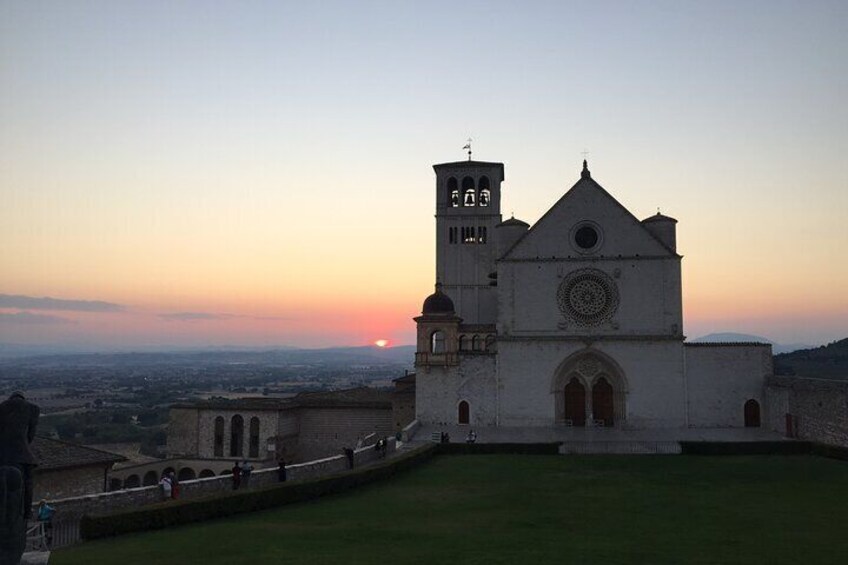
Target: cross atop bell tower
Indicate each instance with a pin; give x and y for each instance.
(468, 207)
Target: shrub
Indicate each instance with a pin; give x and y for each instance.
(498, 448)
(745, 448)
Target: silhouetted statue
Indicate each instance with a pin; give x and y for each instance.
(18, 420)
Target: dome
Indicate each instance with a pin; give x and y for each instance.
(438, 303)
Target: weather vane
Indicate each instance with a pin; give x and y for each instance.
(468, 147)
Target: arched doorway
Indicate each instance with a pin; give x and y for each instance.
(132, 481)
(575, 402)
(752, 414)
(464, 412)
(603, 406)
(206, 473)
(186, 474)
(589, 384)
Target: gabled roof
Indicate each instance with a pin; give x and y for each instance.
(53, 454)
(586, 182)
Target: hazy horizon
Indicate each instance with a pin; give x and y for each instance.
(257, 174)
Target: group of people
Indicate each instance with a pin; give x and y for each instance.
(241, 474)
(170, 485)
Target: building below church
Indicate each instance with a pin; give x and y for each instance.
(576, 321)
(305, 427)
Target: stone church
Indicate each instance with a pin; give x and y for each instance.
(575, 321)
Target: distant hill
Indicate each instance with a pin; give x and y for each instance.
(827, 361)
(366, 355)
(731, 337)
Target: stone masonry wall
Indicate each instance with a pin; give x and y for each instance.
(68, 482)
(326, 431)
(819, 408)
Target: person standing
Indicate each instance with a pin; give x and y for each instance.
(236, 475)
(18, 421)
(246, 470)
(281, 470)
(166, 486)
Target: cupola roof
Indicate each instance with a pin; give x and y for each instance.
(438, 303)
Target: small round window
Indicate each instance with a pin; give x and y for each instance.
(586, 237)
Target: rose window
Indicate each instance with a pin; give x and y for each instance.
(587, 297)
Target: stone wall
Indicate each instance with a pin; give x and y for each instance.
(182, 432)
(326, 431)
(63, 483)
(818, 408)
(720, 379)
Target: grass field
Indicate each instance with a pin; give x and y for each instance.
(534, 509)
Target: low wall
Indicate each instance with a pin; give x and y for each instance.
(818, 408)
(72, 509)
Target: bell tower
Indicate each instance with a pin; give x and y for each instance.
(468, 207)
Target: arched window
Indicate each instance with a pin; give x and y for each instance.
(206, 473)
(468, 195)
(219, 436)
(490, 343)
(476, 345)
(752, 414)
(186, 474)
(463, 412)
(132, 481)
(254, 437)
(150, 479)
(485, 195)
(437, 342)
(453, 193)
(236, 436)
(463, 343)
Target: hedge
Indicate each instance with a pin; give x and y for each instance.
(498, 448)
(832, 451)
(746, 448)
(173, 513)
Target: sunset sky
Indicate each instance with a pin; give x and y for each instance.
(184, 173)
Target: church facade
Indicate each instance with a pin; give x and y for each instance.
(576, 321)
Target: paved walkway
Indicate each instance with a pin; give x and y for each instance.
(595, 435)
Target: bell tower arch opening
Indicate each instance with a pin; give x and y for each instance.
(589, 389)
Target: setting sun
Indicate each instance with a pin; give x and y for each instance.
(381, 342)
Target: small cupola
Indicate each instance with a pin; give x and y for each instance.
(438, 303)
(664, 228)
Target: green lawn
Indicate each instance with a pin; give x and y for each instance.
(534, 509)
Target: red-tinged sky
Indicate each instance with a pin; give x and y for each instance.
(260, 175)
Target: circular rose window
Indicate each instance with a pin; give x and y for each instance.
(587, 297)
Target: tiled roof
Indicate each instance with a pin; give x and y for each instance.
(361, 397)
(54, 454)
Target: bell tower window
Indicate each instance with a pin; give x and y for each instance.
(453, 193)
(468, 194)
(485, 194)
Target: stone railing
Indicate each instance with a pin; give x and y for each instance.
(70, 510)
